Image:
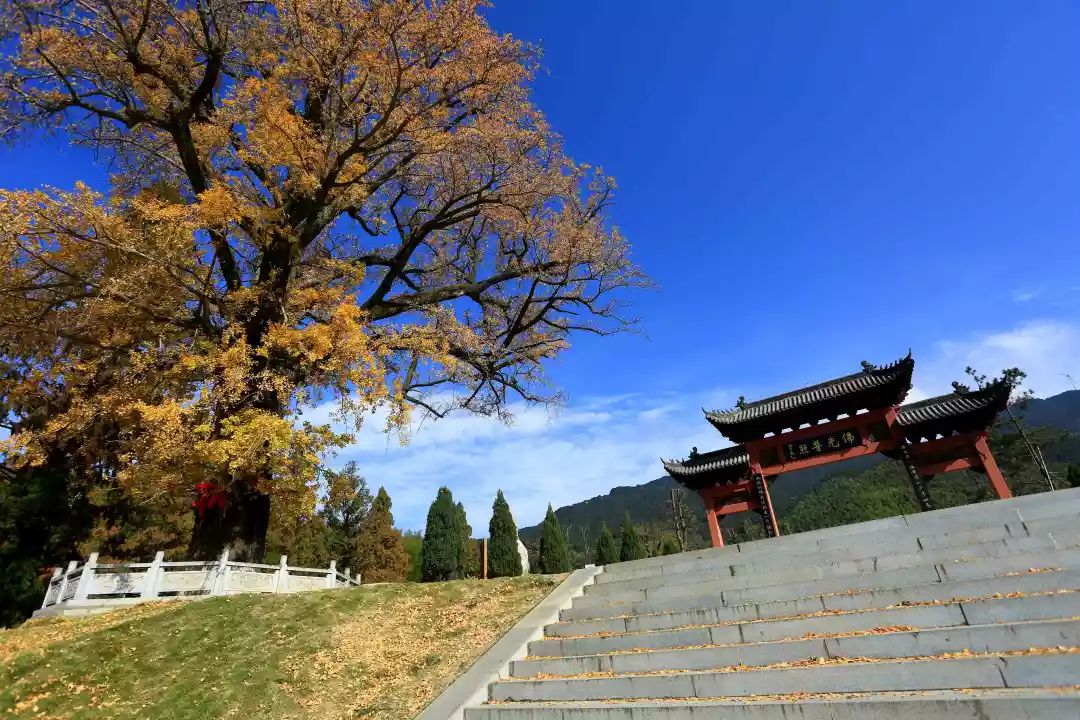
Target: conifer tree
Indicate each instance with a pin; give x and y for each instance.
(442, 540)
(607, 551)
(630, 547)
(670, 546)
(1072, 477)
(554, 555)
(503, 558)
(468, 557)
(381, 551)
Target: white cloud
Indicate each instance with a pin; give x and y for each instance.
(585, 448)
(1044, 349)
(559, 456)
(1023, 295)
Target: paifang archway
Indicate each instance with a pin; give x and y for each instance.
(840, 419)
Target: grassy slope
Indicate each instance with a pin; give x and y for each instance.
(378, 652)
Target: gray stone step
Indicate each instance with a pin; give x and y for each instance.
(1025, 508)
(977, 612)
(993, 704)
(739, 590)
(994, 638)
(788, 569)
(708, 610)
(903, 542)
(1028, 671)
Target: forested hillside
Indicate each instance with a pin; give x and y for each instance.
(861, 489)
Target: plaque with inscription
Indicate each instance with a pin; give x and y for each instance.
(823, 444)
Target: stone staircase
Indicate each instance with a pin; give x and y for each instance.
(970, 612)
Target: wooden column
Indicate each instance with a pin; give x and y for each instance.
(922, 495)
(708, 497)
(997, 480)
(761, 488)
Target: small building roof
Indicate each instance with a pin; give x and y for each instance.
(957, 412)
(873, 387)
(703, 470)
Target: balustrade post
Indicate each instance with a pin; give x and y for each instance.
(55, 575)
(85, 579)
(221, 581)
(331, 579)
(152, 579)
(281, 577)
(67, 578)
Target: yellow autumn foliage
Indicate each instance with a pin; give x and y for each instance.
(315, 201)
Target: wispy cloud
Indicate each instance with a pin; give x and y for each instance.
(1023, 295)
(1044, 349)
(556, 456)
(593, 444)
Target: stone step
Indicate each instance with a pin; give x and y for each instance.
(989, 704)
(809, 569)
(975, 612)
(1024, 508)
(992, 638)
(739, 590)
(990, 671)
(902, 542)
(711, 610)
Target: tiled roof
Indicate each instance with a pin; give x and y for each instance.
(842, 395)
(734, 457)
(955, 412)
(943, 415)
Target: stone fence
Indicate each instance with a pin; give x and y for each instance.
(95, 587)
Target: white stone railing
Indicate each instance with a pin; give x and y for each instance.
(97, 585)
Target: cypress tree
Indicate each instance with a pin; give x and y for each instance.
(468, 558)
(503, 558)
(380, 547)
(554, 555)
(630, 547)
(441, 553)
(607, 551)
(1072, 477)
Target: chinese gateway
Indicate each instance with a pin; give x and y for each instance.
(850, 416)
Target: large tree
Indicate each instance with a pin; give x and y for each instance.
(630, 545)
(314, 200)
(504, 560)
(441, 555)
(381, 553)
(554, 555)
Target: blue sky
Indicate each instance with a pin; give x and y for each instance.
(810, 185)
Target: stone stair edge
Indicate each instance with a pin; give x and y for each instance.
(995, 670)
(986, 638)
(1053, 499)
(876, 556)
(1045, 557)
(954, 589)
(961, 613)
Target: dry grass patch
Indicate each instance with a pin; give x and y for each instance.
(378, 652)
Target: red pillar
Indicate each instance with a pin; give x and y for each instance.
(708, 496)
(997, 480)
(767, 511)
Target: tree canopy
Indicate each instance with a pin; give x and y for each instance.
(607, 551)
(554, 555)
(630, 545)
(351, 201)
(503, 557)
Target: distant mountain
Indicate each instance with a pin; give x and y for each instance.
(648, 503)
(1060, 411)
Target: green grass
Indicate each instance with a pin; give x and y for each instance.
(379, 652)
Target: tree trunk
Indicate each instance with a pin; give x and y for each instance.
(239, 526)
